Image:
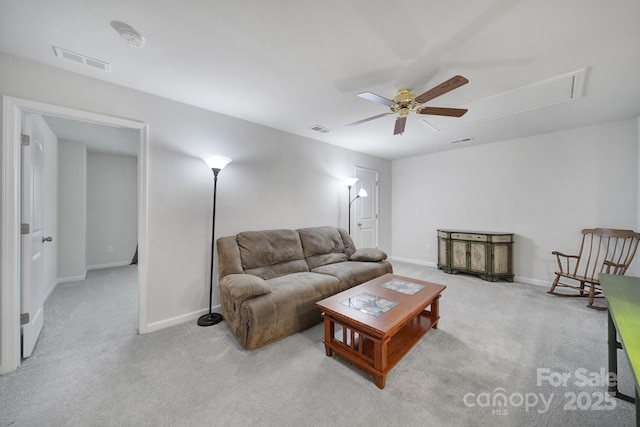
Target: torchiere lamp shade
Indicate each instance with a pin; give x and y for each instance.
(217, 162)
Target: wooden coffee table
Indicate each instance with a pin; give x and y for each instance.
(374, 326)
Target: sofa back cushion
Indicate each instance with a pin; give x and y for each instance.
(271, 253)
(322, 246)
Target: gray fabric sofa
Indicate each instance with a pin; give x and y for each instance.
(270, 280)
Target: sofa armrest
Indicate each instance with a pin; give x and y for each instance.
(368, 254)
(242, 287)
(229, 261)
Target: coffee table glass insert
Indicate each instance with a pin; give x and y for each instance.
(371, 304)
(403, 286)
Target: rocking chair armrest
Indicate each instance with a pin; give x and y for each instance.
(560, 254)
(614, 268)
(566, 259)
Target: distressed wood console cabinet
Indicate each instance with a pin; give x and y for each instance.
(486, 254)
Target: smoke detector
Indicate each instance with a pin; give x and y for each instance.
(128, 34)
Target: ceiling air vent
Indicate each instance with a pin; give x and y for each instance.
(320, 129)
(461, 140)
(81, 59)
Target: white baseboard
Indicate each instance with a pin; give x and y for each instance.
(50, 291)
(109, 265)
(530, 281)
(72, 278)
(519, 279)
(189, 317)
(414, 261)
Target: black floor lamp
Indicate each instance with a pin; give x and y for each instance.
(362, 193)
(216, 163)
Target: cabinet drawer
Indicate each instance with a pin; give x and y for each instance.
(502, 239)
(467, 236)
(443, 234)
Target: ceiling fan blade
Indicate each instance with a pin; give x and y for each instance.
(376, 98)
(435, 111)
(368, 119)
(400, 124)
(441, 89)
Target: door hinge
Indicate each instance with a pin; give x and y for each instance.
(25, 139)
(24, 228)
(24, 318)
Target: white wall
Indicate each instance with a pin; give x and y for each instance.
(72, 205)
(545, 189)
(112, 210)
(275, 180)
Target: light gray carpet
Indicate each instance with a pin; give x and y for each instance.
(90, 368)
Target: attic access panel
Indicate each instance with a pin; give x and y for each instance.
(559, 89)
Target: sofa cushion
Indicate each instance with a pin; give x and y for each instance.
(368, 254)
(349, 247)
(271, 253)
(290, 307)
(352, 273)
(322, 246)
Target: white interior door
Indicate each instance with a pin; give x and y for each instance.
(366, 230)
(32, 263)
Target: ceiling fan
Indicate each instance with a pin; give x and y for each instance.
(406, 102)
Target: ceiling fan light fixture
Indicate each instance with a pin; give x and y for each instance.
(403, 95)
(406, 102)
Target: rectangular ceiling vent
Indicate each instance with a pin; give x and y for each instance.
(320, 129)
(564, 88)
(81, 59)
(457, 141)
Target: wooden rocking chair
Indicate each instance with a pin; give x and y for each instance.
(602, 250)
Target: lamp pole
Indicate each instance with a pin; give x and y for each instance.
(216, 163)
(350, 183)
(349, 210)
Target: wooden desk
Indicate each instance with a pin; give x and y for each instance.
(623, 298)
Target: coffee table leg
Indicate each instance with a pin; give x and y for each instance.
(329, 328)
(380, 381)
(380, 361)
(435, 312)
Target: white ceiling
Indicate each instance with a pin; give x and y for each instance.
(97, 138)
(292, 64)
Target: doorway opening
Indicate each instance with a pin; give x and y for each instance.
(13, 112)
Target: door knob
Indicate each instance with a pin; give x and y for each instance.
(47, 239)
(359, 224)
